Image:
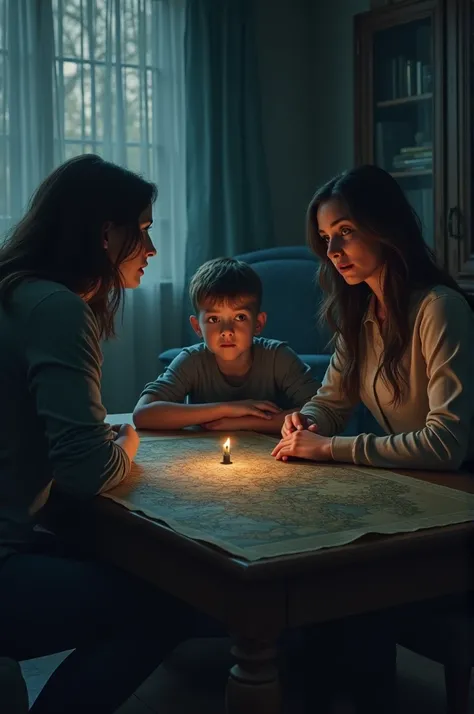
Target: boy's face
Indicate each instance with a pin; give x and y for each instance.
(228, 328)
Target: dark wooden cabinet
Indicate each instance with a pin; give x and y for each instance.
(460, 145)
(414, 85)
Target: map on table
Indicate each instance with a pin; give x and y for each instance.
(258, 507)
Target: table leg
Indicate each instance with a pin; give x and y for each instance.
(253, 686)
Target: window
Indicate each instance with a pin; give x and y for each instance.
(105, 67)
(108, 57)
(103, 76)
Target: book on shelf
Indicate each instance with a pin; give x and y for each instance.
(406, 78)
(410, 77)
(427, 165)
(419, 77)
(416, 150)
(401, 162)
(420, 155)
(414, 158)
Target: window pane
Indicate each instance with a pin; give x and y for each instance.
(134, 105)
(72, 100)
(97, 99)
(130, 30)
(151, 87)
(80, 28)
(91, 110)
(76, 148)
(74, 39)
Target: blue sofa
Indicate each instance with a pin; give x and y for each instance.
(291, 297)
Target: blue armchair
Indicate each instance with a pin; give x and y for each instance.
(291, 297)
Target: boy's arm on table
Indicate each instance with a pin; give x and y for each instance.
(152, 414)
(250, 423)
(161, 406)
(293, 379)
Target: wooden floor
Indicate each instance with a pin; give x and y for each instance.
(195, 677)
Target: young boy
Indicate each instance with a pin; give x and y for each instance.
(233, 379)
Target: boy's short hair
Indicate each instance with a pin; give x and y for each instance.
(222, 280)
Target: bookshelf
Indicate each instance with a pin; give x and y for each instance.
(414, 90)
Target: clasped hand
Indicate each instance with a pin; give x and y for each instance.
(301, 440)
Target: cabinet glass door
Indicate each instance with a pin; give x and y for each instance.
(403, 122)
(460, 142)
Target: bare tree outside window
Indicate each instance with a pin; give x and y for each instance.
(107, 84)
(98, 41)
(101, 76)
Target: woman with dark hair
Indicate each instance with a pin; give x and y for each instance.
(63, 270)
(403, 335)
(404, 345)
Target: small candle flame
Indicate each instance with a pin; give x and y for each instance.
(227, 445)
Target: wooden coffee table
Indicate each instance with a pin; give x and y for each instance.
(256, 601)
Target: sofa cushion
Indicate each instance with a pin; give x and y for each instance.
(318, 364)
(168, 356)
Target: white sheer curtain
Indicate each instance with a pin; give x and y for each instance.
(103, 76)
(26, 110)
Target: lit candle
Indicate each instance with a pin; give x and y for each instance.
(226, 452)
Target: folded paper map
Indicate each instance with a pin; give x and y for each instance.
(258, 507)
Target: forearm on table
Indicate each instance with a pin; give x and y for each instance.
(169, 415)
(94, 469)
(265, 426)
(130, 446)
(434, 449)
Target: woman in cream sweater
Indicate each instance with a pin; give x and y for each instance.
(403, 335)
(404, 346)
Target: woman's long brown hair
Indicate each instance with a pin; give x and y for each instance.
(378, 207)
(61, 236)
